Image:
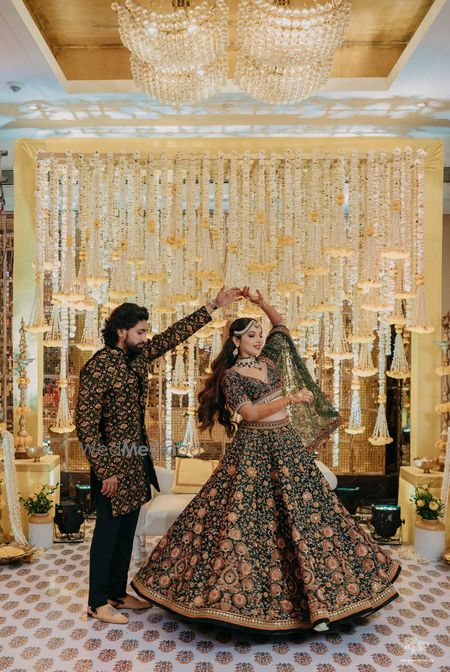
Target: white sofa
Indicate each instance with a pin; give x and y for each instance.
(157, 515)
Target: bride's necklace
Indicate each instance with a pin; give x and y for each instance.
(248, 363)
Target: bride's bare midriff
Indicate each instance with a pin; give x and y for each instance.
(279, 415)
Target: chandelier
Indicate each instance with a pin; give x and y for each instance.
(177, 56)
(285, 54)
(180, 56)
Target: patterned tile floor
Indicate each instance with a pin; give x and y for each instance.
(43, 627)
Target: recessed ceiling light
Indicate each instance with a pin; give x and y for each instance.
(421, 104)
(32, 107)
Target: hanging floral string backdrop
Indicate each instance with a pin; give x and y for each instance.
(335, 242)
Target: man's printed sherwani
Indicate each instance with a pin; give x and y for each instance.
(111, 410)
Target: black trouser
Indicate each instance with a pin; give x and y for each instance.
(110, 555)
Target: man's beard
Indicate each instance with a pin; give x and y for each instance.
(133, 350)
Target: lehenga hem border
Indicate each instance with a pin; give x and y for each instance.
(364, 607)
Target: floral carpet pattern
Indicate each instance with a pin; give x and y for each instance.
(43, 628)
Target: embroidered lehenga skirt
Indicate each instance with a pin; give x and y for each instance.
(266, 545)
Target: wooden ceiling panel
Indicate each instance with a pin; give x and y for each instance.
(83, 36)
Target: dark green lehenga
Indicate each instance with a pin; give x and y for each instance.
(266, 544)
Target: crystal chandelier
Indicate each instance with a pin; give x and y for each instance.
(177, 55)
(285, 54)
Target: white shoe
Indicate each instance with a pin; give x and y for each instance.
(321, 627)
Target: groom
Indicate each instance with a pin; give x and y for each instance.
(110, 425)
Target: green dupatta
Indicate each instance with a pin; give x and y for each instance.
(314, 422)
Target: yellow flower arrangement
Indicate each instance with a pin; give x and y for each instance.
(427, 506)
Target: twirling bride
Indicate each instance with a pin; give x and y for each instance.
(266, 545)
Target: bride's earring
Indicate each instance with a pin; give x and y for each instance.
(235, 352)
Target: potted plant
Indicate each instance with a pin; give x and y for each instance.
(429, 539)
(40, 523)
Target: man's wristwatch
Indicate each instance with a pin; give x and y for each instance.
(213, 305)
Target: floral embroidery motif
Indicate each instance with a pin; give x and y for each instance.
(266, 544)
(111, 409)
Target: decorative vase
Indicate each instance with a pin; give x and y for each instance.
(429, 539)
(40, 530)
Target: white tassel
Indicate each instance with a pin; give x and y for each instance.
(380, 435)
(120, 278)
(54, 338)
(90, 340)
(191, 441)
(399, 365)
(365, 366)
(355, 425)
(38, 324)
(69, 291)
(63, 423)
(420, 323)
(95, 272)
(180, 384)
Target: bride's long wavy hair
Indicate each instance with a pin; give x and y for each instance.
(212, 403)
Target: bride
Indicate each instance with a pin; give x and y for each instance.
(266, 545)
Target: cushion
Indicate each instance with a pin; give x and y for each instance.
(191, 474)
(160, 513)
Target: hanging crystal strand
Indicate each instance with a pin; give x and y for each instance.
(339, 344)
(38, 323)
(355, 217)
(380, 435)
(298, 215)
(150, 268)
(336, 402)
(218, 214)
(339, 245)
(63, 422)
(208, 272)
(247, 246)
(355, 425)
(233, 271)
(394, 240)
(90, 339)
(168, 409)
(120, 279)
(407, 208)
(53, 337)
(323, 201)
(286, 282)
(191, 441)
(364, 367)
(420, 322)
(53, 216)
(369, 275)
(292, 314)
(179, 384)
(135, 212)
(176, 239)
(100, 219)
(109, 217)
(314, 263)
(86, 303)
(191, 229)
(399, 364)
(216, 346)
(261, 257)
(42, 176)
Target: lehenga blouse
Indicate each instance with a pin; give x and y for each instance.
(242, 389)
